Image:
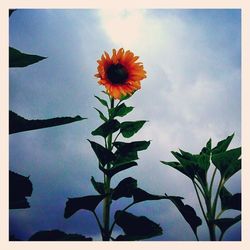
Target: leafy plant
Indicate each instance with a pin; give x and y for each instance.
(113, 157)
(226, 162)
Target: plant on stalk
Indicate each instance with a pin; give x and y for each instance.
(226, 164)
(121, 76)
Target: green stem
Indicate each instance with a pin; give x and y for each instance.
(202, 209)
(212, 181)
(107, 200)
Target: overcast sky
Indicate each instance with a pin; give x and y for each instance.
(192, 93)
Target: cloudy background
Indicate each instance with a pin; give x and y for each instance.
(192, 93)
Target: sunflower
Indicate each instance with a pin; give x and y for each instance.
(120, 73)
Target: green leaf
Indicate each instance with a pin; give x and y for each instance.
(19, 124)
(107, 128)
(19, 59)
(225, 223)
(125, 188)
(120, 110)
(104, 155)
(227, 162)
(140, 195)
(229, 201)
(102, 101)
(189, 166)
(116, 169)
(207, 149)
(99, 186)
(19, 188)
(121, 159)
(57, 235)
(87, 203)
(136, 227)
(187, 212)
(102, 116)
(203, 161)
(135, 146)
(176, 165)
(222, 145)
(128, 129)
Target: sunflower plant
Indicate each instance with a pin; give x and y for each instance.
(120, 74)
(210, 171)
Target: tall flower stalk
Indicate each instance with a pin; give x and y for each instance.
(121, 76)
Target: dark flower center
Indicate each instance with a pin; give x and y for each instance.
(117, 73)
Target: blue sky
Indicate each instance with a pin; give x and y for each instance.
(192, 93)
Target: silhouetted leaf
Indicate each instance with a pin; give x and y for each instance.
(11, 11)
(57, 235)
(128, 129)
(125, 188)
(104, 155)
(229, 201)
(102, 116)
(99, 186)
(124, 147)
(189, 166)
(121, 159)
(228, 162)
(19, 59)
(116, 169)
(20, 124)
(87, 203)
(140, 195)
(225, 223)
(135, 227)
(107, 128)
(120, 110)
(176, 165)
(102, 101)
(19, 187)
(222, 145)
(187, 212)
(207, 149)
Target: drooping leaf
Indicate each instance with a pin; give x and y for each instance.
(87, 203)
(120, 110)
(187, 212)
(99, 186)
(124, 147)
(227, 162)
(125, 188)
(19, 59)
(104, 155)
(107, 128)
(102, 116)
(116, 169)
(102, 101)
(19, 124)
(11, 11)
(229, 201)
(225, 223)
(128, 129)
(136, 227)
(19, 188)
(140, 195)
(57, 235)
(222, 145)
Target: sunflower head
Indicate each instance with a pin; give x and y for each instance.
(120, 73)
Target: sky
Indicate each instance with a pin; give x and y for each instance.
(192, 93)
